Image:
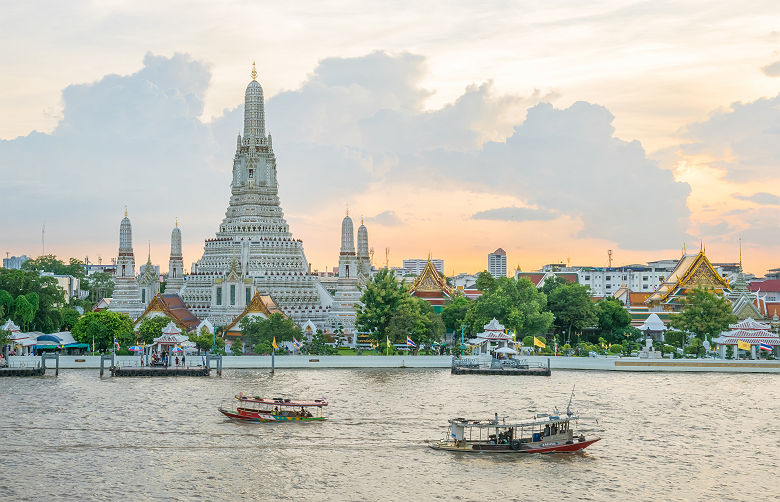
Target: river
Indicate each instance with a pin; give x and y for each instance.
(670, 436)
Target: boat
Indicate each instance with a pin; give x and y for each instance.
(276, 409)
(544, 433)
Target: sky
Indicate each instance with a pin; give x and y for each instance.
(554, 130)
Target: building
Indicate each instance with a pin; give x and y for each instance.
(172, 307)
(91, 268)
(71, 285)
(415, 266)
(259, 307)
(127, 295)
(149, 281)
(432, 287)
(175, 280)
(497, 263)
(692, 271)
(14, 262)
(253, 250)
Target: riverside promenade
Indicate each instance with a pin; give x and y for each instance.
(444, 362)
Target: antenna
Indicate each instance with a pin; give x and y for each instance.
(43, 239)
(371, 252)
(387, 258)
(568, 406)
(609, 255)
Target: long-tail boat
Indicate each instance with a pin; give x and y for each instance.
(276, 409)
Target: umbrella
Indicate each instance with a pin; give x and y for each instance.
(135, 348)
(176, 349)
(505, 350)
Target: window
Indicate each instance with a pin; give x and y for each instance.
(232, 294)
(248, 295)
(219, 296)
(609, 278)
(644, 277)
(143, 295)
(644, 286)
(587, 277)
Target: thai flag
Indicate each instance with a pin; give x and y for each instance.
(116, 344)
(296, 343)
(410, 343)
(765, 346)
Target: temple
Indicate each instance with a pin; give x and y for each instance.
(127, 294)
(432, 287)
(691, 272)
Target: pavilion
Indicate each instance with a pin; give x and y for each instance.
(494, 341)
(748, 331)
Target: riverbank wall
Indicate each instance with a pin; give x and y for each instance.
(556, 363)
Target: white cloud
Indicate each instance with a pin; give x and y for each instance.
(514, 214)
(772, 70)
(386, 218)
(762, 198)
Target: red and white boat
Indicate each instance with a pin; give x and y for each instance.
(276, 409)
(544, 433)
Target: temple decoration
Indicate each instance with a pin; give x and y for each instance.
(691, 272)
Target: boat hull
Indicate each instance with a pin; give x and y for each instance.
(542, 447)
(266, 417)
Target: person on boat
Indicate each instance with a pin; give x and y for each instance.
(276, 410)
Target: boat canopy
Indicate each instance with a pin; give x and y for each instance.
(540, 421)
(278, 401)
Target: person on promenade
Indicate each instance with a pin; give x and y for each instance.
(177, 361)
(182, 360)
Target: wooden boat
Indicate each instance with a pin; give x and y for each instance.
(544, 433)
(277, 409)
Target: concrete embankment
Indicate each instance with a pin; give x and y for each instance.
(556, 363)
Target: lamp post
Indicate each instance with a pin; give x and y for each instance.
(462, 331)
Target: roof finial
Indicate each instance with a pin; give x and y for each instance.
(125, 211)
(254, 71)
(347, 208)
(177, 222)
(361, 220)
(740, 253)
(149, 256)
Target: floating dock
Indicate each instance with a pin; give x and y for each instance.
(518, 368)
(162, 371)
(22, 372)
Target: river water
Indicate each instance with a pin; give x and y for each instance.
(667, 436)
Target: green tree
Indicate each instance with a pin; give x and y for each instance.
(416, 319)
(552, 283)
(696, 347)
(204, 340)
(5, 338)
(258, 333)
(613, 318)
(485, 281)
(50, 263)
(676, 338)
(572, 307)
(454, 313)
(151, 328)
(51, 297)
(382, 295)
(705, 314)
(24, 312)
(7, 303)
(69, 318)
(100, 285)
(319, 345)
(516, 304)
(103, 327)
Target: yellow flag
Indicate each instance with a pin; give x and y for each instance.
(388, 341)
(539, 343)
(743, 345)
(273, 344)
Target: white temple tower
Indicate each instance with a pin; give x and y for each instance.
(148, 281)
(127, 296)
(175, 263)
(253, 250)
(348, 268)
(363, 257)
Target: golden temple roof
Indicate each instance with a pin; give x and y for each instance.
(430, 280)
(691, 271)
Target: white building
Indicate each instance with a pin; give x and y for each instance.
(415, 266)
(497, 263)
(15, 262)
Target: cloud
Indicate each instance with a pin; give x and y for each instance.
(743, 140)
(515, 214)
(763, 198)
(772, 70)
(385, 218)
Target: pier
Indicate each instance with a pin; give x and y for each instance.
(478, 366)
(161, 371)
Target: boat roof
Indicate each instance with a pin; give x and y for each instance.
(540, 420)
(280, 401)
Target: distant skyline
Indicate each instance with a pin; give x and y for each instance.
(553, 132)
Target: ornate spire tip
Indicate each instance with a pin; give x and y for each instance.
(254, 71)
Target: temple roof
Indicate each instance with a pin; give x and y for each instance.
(174, 308)
(260, 304)
(691, 271)
(430, 280)
(749, 323)
(653, 323)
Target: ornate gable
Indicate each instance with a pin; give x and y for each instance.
(692, 271)
(430, 281)
(260, 304)
(233, 273)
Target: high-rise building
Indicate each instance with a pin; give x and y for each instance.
(415, 266)
(15, 262)
(497, 263)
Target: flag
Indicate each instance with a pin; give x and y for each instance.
(556, 346)
(764, 346)
(116, 344)
(296, 343)
(273, 344)
(388, 342)
(743, 345)
(410, 343)
(539, 343)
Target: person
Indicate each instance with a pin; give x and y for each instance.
(182, 359)
(177, 361)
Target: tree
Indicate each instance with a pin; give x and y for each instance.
(613, 318)
(50, 263)
(454, 313)
(204, 340)
(696, 348)
(100, 285)
(705, 314)
(676, 338)
(258, 332)
(5, 338)
(485, 281)
(319, 345)
(6, 302)
(69, 318)
(553, 283)
(516, 304)
(51, 297)
(382, 295)
(416, 319)
(151, 328)
(103, 327)
(572, 307)
(24, 312)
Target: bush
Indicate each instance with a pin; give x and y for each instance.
(616, 349)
